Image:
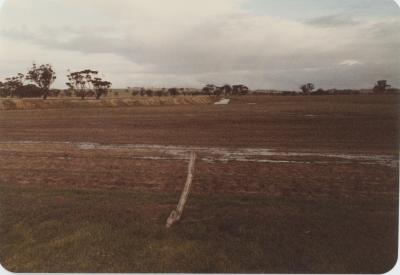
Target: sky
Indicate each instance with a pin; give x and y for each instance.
(264, 44)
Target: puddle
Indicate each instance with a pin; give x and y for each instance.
(213, 154)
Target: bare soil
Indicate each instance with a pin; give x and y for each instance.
(339, 123)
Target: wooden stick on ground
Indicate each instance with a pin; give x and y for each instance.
(176, 214)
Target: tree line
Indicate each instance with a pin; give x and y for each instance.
(380, 87)
(87, 83)
(40, 79)
(209, 89)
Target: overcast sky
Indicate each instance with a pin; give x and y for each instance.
(164, 43)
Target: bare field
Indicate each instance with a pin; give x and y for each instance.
(288, 184)
(332, 123)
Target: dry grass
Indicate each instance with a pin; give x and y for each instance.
(26, 104)
(93, 230)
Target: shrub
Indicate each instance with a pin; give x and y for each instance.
(29, 90)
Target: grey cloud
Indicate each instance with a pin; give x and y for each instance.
(329, 21)
(385, 30)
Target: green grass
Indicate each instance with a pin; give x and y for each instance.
(110, 230)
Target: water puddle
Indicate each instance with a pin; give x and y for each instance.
(221, 154)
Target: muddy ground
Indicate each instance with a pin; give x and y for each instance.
(312, 181)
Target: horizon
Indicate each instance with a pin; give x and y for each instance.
(265, 89)
(333, 44)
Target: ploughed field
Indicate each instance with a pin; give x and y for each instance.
(281, 184)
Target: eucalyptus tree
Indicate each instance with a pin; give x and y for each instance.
(77, 83)
(86, 82)
(381, 86)
(43, 76)
(307, 88)
(12, 84)
(100, 86)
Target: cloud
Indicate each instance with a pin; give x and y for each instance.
(350, 62)
(332, 21)
(179, 43)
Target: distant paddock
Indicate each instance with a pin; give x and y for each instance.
(52, 103)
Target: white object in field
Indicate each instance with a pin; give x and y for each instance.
(176, 214)
(223, 101)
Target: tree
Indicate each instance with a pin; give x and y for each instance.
(149, 92)
(3, 90)
(226, 89)
(380, 87)
(100, 86)
(173, 91)
(12, 84)
(209, 89)
(43, 76)
(244, 90)
(307, 88)
(89, 76)
(240, 89)
(77, 83)
(86, 83)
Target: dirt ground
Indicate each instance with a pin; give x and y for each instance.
(337, 123)
(282, 184)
